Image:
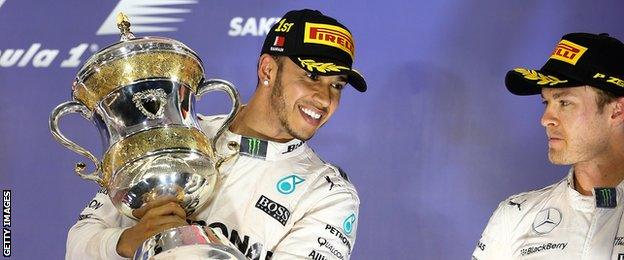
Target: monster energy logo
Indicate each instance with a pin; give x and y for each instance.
(253, 147)
(605, 197)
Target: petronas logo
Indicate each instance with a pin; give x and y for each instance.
(348, 223)
(288, 184)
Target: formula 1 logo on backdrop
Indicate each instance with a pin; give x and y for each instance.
(38, 57)
(146, 15)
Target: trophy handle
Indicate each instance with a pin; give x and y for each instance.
(227, 87)
(68, 108)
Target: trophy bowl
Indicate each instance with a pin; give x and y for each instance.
(140, 93)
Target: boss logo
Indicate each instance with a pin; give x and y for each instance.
(273, 209)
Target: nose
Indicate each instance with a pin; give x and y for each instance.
(549, 118)
(323, 95)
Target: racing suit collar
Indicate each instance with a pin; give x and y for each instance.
(577, 200)
(587, 203)
(260, 149)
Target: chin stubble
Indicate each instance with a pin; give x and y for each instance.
(278, 103)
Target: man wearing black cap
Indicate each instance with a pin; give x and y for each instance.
(276, 198)
(580, 217)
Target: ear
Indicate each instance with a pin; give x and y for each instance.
(267, 68)
(618, 110)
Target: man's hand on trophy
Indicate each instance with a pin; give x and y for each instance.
(154, 217)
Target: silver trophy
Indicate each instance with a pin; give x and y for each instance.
(140, 93)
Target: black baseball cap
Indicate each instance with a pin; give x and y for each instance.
(579, 59)
(316, 43)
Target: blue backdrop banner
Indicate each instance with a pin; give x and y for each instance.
(432, 147)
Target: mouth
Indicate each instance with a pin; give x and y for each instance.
(311, 115)
(554, 140)
(554, 136)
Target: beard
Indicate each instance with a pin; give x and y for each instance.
(580, 148)
(278, 105)
(559, 157)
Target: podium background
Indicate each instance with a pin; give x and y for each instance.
(433, 146)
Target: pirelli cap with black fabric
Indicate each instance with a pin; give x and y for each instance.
(316, 43)
(579, 59)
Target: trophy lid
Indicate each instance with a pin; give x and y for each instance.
(133, 59)
(123, 23)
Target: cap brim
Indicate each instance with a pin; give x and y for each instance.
(329, 67)
(523, 82)
(357, 80)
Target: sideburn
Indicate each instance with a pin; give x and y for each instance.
(277, 98)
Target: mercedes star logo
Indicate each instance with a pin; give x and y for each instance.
(546, 220)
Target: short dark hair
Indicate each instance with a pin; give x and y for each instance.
(280, 61)
(603, 98)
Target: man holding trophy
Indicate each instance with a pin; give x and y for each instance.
(270, 195)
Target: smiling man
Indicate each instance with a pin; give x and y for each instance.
(276, 198)
(580, 217)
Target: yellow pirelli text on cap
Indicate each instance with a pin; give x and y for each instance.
(568, 51)
(329, 35)
(610, 79)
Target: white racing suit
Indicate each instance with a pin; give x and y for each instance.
(273, 200)
(556, 222)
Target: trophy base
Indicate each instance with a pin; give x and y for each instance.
(188, 242)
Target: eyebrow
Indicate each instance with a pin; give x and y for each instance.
(559, 95)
